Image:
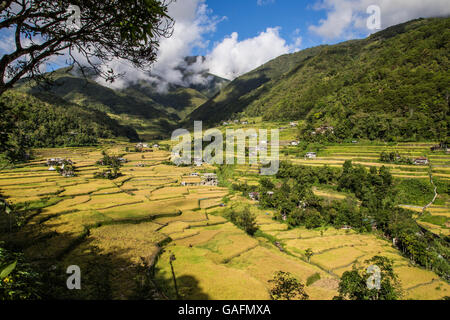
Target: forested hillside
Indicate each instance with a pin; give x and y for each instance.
(31, 122)
(143, 99)
(394, 85)
(86, 92)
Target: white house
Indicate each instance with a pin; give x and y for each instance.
(141, 145)
(421, 161)
(311, 155)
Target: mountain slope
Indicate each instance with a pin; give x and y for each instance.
(41, 124)
(392, 85)
(153, 112)
(239, 93)
(88, 93)
(177, 101)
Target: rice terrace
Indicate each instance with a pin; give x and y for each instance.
(309, 172)
(122, 226)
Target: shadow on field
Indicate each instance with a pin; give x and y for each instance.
(105, 275)
(188, 287)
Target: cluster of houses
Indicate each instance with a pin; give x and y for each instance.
(207, 179)
(421, 161)
(54, 163)
(63, 166)
(143, 146)
(226, 123)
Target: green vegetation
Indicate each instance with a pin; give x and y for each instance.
(353, 284)
(286, 287)
(147, 108)
(113, 163)
(18, 279)
(379, 88)
(314, 220)
(243, 219)
(33, 123)
(118, 230)
(312, 279)
(414, 191)
(377, 209)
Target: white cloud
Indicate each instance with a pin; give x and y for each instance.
(193, 20)
(228, 59)
(232, 58)
(345, 18)
(297, 41)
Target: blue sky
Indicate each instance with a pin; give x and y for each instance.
(236, 36)
(249, 19)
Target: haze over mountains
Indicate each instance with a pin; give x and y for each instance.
(392, 85)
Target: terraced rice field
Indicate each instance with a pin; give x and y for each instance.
(208, 256)
(68, 217)
(113, 229)
(368, 156)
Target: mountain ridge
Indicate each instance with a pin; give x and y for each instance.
(356, 86)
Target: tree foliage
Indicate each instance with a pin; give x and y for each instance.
(354, 283)
(18, 279)
(286, 287)
(372, 204)
(28, 122)
(112, 29)
(394, 85)
(244, 219)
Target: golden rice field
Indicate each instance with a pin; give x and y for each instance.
(211, 260)
(113, 229)
(368, 156)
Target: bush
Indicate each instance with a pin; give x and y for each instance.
(18, 280)
(244, 220)
(311, 279)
